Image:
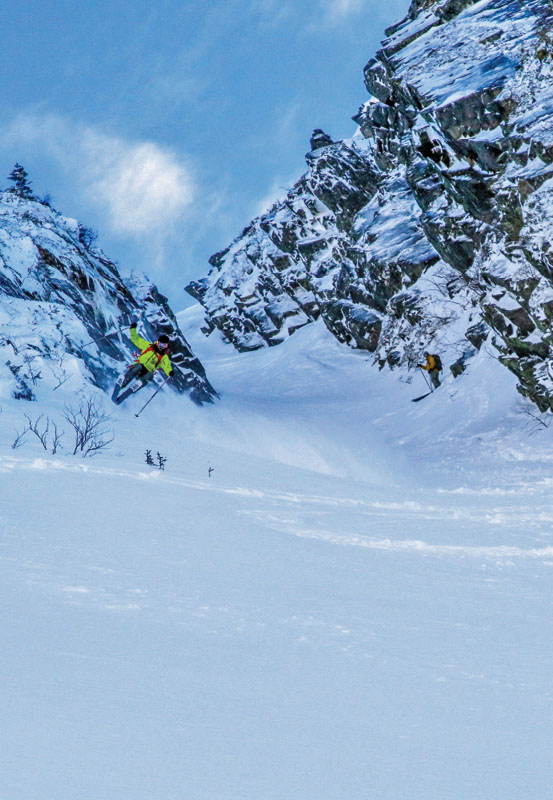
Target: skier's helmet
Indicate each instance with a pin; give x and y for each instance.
(163, 340)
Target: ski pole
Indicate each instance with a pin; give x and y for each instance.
(95, 341)
(425, 380)
(152, 397)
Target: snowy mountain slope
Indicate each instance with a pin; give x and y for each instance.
(430, 229)
(355, 604)
(329, 592)
(57, 293)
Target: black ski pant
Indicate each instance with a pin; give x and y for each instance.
(137, 370)
(435, 377)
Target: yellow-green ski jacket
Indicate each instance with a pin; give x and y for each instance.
(148, 357)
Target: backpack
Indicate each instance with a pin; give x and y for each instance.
(437, 362)
(152, 349)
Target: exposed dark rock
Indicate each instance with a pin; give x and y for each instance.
(459, 366)
(438, 219)
(319, 139)
(477, 334)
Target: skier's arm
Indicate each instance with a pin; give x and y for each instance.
(166, 366)
(137, 340)
(430, 364)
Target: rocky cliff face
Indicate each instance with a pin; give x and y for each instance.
(57, 293)
(429, 230)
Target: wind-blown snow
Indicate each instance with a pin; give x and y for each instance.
(356, 604)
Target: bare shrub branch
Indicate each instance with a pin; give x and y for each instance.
(56, 441)
(59, 372)
(18, 441)
(90, 424)
(536, 419)
(34, 376)
(33, 427)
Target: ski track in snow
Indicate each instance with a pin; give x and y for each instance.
(523, 516)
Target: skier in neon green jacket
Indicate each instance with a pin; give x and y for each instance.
(152, 356)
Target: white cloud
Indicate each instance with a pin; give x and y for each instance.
(338, 9)
(311, 16)
(330, 14)
(141, 186)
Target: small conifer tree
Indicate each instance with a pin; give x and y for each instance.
(87, 236)
(21, 183)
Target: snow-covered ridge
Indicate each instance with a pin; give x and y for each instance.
(57, 293)
(429, 229)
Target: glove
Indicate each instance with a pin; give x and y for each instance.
(133, 323)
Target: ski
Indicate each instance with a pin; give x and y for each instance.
(131, 388)
(416, 399)
(116, 390)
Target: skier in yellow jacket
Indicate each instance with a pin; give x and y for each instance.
(433, 366)
(152, 356)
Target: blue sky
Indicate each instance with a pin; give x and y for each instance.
(168, 126)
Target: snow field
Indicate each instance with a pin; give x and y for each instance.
(356, 604)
